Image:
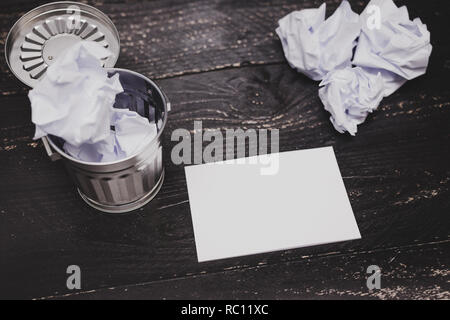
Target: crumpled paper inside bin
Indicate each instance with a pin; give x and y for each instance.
(75, 102)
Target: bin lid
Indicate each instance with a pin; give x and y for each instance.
(41, 34)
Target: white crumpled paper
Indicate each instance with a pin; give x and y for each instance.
(391, 49)
(131, 132)
(314, 46)
(106, 150)
(397, 47)
(350, 95)
(74, 101)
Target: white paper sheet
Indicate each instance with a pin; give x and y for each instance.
(237, 211)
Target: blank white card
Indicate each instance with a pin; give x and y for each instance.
(240, 209)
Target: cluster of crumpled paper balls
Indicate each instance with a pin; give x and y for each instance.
(390, 49)
(74, 101)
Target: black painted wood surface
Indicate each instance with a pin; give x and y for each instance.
(221, 62)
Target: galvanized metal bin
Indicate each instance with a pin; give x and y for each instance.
(132, 182)
(32, 45)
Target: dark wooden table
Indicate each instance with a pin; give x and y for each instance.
(221, 62)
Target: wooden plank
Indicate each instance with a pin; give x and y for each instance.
(418, 272)
(165, 39)
(395, 170)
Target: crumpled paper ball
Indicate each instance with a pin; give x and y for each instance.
(75, 96)
(315, 46)
(106, 150)
(75, 101)
(391, 49)
(350, 94)
(398, 47)
(131, 132)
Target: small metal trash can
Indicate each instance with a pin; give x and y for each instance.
(31, 46)
(129, 183)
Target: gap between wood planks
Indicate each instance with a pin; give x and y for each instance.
(246, 267)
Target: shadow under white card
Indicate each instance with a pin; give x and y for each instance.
(238, 211)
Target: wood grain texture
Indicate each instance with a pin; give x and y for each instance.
(395, 170)
(169, 38)
(409, 272)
